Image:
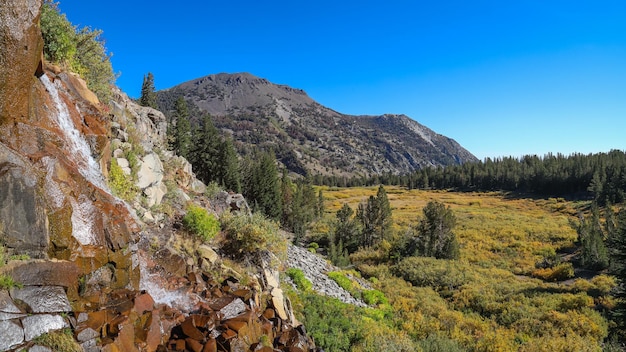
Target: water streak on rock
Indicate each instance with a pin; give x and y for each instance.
(87, 165)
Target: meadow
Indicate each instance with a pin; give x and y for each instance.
(499, 296)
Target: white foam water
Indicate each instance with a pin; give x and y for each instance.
(79, 149)
(152, 283)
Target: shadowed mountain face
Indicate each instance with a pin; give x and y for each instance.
(309, 137)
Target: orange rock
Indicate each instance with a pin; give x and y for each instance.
(190, 330)
(244, 294)
(153, 335)
(228, 334)
(236, 325)
(210, 346)
(193, 345)
(143, 303)
(269, 313)
(180, 345)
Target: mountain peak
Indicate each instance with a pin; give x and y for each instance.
(309, 137)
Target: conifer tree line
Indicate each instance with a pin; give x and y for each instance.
(601, 176)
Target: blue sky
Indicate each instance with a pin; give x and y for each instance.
(500, 77)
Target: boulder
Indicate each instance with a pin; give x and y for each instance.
(124, 165)
(154, 194)
(39, 324)
(206, 252)
(150, 172)
(43, 299)
(11, 334)
(43, 273)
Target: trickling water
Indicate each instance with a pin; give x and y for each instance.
(79, 149)
(154, 285)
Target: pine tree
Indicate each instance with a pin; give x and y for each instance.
(148, 96)
(229, 166)
(434, 236)
(263, 185)
(594, 254)
(205, 151)
(319, 209)
(182, 131)
(346, 231)
(384, 220)
(617, 244)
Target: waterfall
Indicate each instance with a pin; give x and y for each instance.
(78, 147)
(154, 283)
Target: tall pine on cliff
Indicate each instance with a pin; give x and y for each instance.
(148, 96)
(182, 130)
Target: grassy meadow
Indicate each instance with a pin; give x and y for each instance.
(495, 297)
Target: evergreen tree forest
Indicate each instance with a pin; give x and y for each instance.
(601, 176)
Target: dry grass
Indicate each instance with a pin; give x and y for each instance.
(494, 230)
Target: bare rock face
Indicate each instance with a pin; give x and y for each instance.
(21, 43)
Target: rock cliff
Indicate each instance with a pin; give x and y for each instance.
(114, 275)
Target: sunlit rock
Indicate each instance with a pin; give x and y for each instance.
(39, 324)
(11, 334)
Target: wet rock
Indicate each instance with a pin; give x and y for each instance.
(39, 348)
(11, 334)
(79, 88)
(43, 299)
(43, 272)
(233, 309)
(39, 324)
(22, 208)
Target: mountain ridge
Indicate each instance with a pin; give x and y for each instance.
(310, 138)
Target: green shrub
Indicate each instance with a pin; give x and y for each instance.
(373, 297)
(560, 272)
(341, 280)
(245, 234)
(436, 343)
(298, 278)
(201, 223)
(59, 341)
(80, 50)
(120, 183)
(335, 326)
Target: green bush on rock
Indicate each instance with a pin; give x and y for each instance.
(199, 222)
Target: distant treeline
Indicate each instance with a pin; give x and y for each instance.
(601, 176)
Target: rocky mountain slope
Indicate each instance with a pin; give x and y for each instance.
(309, 137)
